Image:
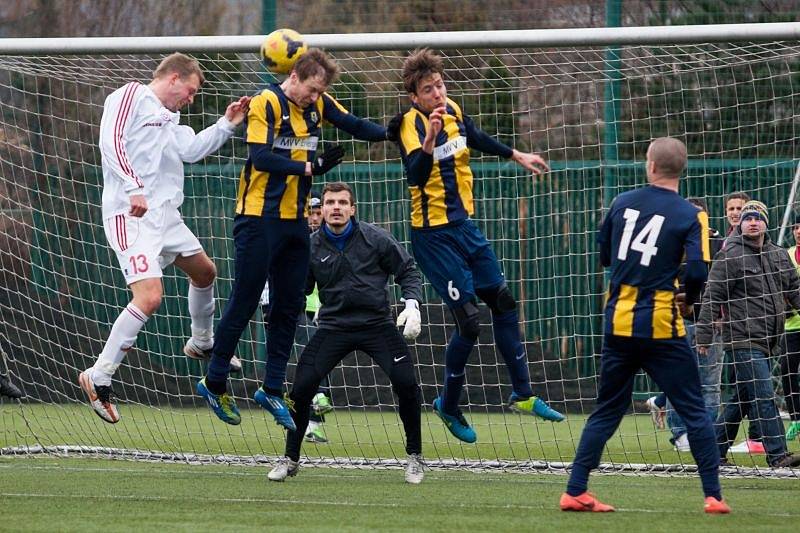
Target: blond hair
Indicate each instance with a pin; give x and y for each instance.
(180, 64)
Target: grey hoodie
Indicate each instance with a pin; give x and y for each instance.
(747, 291)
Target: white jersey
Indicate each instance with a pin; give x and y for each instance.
(143, 147)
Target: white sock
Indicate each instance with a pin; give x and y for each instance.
(312, 425)
(123, 335)
(201, 309)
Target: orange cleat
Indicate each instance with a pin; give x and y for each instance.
(586, 502)
(715, 506)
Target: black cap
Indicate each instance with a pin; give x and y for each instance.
(315, 200)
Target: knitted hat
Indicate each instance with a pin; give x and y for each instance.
(754, 207)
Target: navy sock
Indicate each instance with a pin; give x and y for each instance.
(711, 486)
(706, 455)
(595, 434)
(506, 337)
(217, 374)
(273, 392)
(578, 480)
(455, 363)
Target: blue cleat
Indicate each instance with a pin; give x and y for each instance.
(277, 408)
(457, 424)
(223, 405)
(534, 406)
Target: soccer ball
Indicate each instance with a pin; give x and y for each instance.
(281, 49)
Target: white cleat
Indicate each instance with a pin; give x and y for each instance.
(414, 469)
(682, 444)
(99, 398)
(285, 468)
(201, 350)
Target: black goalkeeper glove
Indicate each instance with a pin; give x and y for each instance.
(393, 128)
(327, 160)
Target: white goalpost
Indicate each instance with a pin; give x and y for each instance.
(590, 100)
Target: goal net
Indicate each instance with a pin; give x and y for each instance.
(589, 109)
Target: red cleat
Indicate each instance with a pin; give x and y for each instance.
(715, 506)
(586, 503)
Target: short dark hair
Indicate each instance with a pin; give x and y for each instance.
(315, 62)
(338, 186)
(698, 202)
(738, 195)
(180, 64)
(420, 64)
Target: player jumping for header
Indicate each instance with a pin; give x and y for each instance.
(435, 137)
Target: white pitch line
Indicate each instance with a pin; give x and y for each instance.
(392, 505)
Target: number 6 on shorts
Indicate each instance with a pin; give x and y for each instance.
(452, 292)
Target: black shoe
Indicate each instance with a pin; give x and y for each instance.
(786, 461)
(723, 461)
(9, 389)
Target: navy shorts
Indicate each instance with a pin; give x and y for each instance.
(456, 260)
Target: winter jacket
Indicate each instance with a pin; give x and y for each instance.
(748, 289)
(354, 283)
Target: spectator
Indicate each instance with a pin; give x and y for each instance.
(748, 283)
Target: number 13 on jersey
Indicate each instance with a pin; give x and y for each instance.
(645, 240)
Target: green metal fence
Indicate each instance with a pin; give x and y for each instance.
(543, 233)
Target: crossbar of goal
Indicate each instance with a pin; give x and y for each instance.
(636, 35)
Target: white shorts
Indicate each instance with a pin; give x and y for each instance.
(147, 245)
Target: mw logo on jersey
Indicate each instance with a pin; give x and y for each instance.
(296, 143)
(450, 148)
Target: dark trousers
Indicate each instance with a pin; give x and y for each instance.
(327, 348)
(673, 366)
(753, 397)
(264, 247)
(790, 374)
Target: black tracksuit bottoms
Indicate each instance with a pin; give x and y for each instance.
(386, 346)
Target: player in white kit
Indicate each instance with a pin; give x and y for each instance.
(143, 148)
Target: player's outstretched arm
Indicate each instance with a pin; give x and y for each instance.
(531, 162)
(480, 140)
(195, 147)
(360, 128)
(237, 111)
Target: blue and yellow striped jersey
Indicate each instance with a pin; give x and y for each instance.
(289, 131)
(645, 236)
(445, 195)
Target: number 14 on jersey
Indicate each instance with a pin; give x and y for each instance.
(645, 240)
